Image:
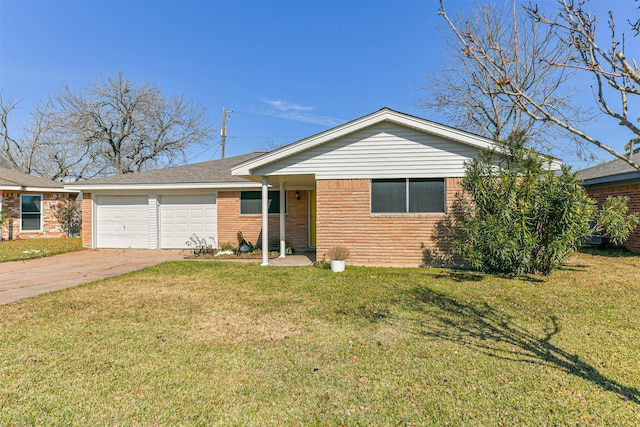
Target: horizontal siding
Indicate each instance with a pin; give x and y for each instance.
(384, 150)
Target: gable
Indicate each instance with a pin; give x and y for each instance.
(382, 150)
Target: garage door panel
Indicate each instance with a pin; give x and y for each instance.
(182, 216)
(122, 222)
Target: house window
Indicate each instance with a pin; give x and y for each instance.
(30, 213)
(251, 202)
(408, 195)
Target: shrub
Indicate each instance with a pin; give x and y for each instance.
(200, 245)
(69, 215)
(338, 253)
(3, 218)
(613, 221)
(516, 216)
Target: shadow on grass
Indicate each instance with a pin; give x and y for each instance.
(573, 267)
(610, 252)
(494, 333)
(460, 276)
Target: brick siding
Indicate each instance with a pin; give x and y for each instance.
(11, 206)
(230, 221)
(632, 191)
(344, 218)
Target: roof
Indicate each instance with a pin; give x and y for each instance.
(611, 171)
(214, 173)
(20, 181)
(383, 115)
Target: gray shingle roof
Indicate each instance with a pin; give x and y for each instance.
(9, 177)
(214, 171)
(614, 170)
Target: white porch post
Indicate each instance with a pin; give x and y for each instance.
(283, 196)
(265, 221)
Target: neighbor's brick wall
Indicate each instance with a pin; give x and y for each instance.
(230, 221)
(11, 206)
(344, 218)
(632, 191)
(87, 221)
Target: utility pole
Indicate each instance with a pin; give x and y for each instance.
(223, 130)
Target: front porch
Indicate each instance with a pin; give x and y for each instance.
(301, 259)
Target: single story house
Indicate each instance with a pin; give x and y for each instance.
(26, 201)
(377, 185)
(615, 178)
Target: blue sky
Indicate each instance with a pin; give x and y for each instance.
(286, 69)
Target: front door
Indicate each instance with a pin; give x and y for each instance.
(312, 218)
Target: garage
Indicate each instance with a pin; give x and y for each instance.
(122, 222)
(181, 216)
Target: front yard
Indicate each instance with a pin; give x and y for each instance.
(214, 343)
(15, 250)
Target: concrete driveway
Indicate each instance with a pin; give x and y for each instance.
(23, 279)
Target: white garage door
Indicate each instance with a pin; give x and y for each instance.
(122, 222)
(183, 216)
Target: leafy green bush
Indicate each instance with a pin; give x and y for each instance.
(516, 216)
(613, 221)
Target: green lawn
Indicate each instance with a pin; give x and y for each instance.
(212, 343)
(14, 250)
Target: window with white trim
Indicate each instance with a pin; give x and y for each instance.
(251, 202)
(30, 212)
(408, 195)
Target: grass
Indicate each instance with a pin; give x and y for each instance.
(215, 343)
(15, 250)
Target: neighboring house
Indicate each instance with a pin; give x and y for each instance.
(616, 178)
(26, 201)
(377, 185)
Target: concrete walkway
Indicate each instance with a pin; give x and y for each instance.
(295, 260)
(23, 279)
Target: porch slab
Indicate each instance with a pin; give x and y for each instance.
(295, 260)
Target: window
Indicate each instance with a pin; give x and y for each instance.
(31, 213)
(251, 202)
(412, 195)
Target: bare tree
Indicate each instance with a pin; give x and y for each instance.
(110, 127)
(19, 146)
(473, 99)
(128, 127)
(574, 28)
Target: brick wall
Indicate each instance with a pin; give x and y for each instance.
(344, 218)
(632, 191)
(11, 228)
(87, 221)
(230, 221)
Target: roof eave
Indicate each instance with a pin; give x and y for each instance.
(158, 187)
(611, 178)
(36, 189)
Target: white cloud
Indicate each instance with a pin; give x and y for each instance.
(287, 106)
(298, 113)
